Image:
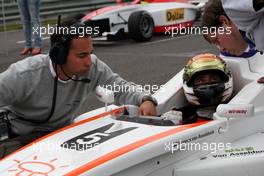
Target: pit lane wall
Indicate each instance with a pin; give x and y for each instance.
(50, 9)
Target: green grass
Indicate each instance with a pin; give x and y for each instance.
(17, 26)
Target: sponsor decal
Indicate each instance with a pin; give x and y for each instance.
(35, 166)
(237, 111)
(93, 138)
(239, 152)
(174, 14)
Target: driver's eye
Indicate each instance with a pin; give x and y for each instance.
(215, 79)
(198, 82)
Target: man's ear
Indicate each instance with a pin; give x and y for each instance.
(224, 21)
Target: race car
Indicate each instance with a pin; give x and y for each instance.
(141, 19)
(110, 142)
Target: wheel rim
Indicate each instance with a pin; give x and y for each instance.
(146, 26)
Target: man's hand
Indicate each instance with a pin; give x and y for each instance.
(148, 108)
(261, 80)
(174, 116)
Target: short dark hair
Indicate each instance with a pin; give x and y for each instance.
(68, 22)
(213, 10)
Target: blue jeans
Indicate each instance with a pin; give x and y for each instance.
(29, 10)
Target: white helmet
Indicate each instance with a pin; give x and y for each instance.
(210, 94)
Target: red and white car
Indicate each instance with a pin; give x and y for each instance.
(109, 143)
(141, 19)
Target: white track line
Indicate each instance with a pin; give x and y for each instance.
(23, 41)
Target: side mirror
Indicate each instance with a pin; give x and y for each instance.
(104, 95)
(234, 111)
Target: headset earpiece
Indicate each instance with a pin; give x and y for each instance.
(58, 53)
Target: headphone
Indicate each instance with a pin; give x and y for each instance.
(60, 48)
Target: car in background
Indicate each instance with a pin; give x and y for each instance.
(141, 19)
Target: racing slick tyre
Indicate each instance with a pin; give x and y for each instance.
(140, 26)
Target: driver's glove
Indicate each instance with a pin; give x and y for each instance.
(132, 110)
(174, 116)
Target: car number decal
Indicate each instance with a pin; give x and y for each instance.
(92, 138)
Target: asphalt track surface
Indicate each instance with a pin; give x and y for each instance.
(150, 63)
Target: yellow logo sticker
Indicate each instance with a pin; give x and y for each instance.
(174, 14)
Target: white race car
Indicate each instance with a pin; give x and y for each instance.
(109, 143)
(141, 20)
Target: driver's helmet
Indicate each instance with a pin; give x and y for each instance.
(212, 93)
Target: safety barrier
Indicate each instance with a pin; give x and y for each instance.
(49, 9)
